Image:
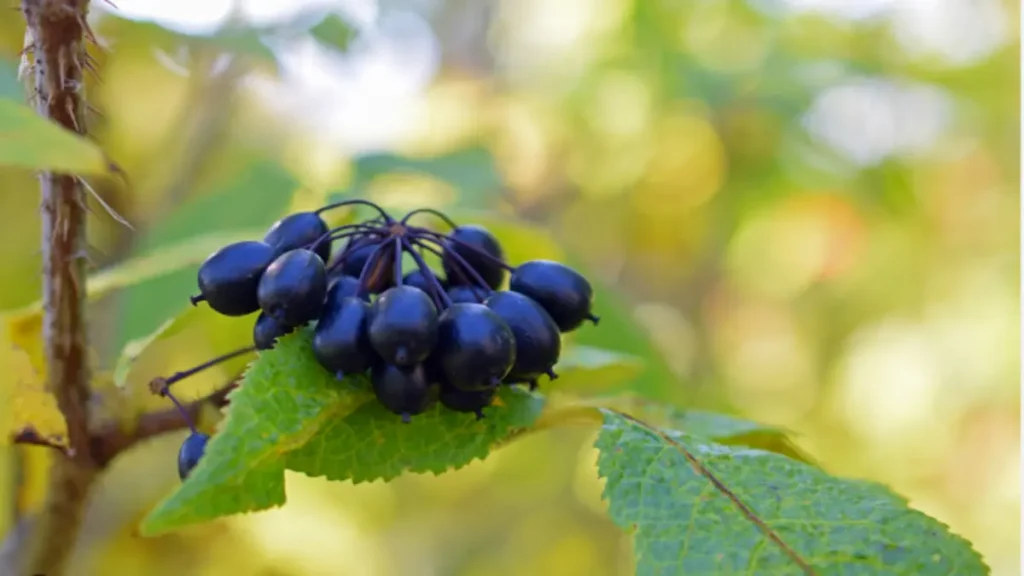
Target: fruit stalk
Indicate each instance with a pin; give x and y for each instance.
(477, 282)
(58, 31)
(438, 239)
(443, 300)
(435, 213)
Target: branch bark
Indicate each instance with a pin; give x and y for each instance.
(109, 439)
(58, 31)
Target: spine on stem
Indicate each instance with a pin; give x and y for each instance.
(57, 30)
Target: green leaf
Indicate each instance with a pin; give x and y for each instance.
(333, 31)
(27, 140)
(249, 203)
(589, 370)
(373, 444)
(132, 350)
(167, 259)
(221, 334)
(244, 41)
(284, 398)
(10, 87)
(795, 519)
(721, 428)
(734, 431)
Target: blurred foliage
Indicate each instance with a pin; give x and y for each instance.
(808, 219)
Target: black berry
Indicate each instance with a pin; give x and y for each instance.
(340, 342)
(293, 288)
(538, 342)
(299, 230)
(403, 326)
(465, 294)
(563, 292)
(381, 275)
(462, 241)
(191, 451)
(475, 347)
(339, 287)
(471, 401)
(404, 391)
(420, 280)
(229, 278)
(266, 331)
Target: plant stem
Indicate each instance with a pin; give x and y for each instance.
(58, 32)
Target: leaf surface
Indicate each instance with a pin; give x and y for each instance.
(284, 398)
(27, 140)
(373, 444)
(683, 524)
(587, 370)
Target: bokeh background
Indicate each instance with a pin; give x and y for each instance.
(803, 211)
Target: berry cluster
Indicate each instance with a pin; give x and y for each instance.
(422, 335)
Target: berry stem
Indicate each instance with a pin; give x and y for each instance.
(437, 213)
(398, 261)
(356, 201)
(370, 235)
(437, 237)
(441, 298)
(163, 384)
(182, 411)
(339, 260)
(371, 261)
(481, 284)
(333, 234)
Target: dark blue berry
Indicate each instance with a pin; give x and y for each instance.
(563, 292)
(403, 326)
(266, 331)
(538, 342)
(228, 280)
(341, 342)
(192, 449)
(475, 347)
(293, 288)
(299, 230)
(403, 391)
(471, 243)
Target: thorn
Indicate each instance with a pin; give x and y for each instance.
(87, 30)
(91, 68)
(109, 209)
(62, 67)
(95, 111)
(406, 418)
(69, 107)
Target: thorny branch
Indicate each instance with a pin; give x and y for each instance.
(56, 34)
(111, 438)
